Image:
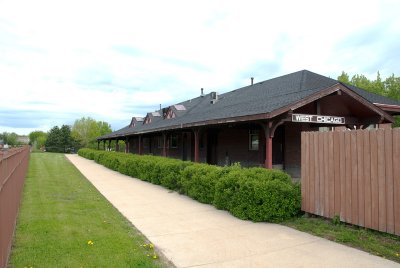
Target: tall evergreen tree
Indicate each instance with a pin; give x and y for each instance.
(59, 139)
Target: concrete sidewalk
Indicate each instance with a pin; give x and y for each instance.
(191, 234)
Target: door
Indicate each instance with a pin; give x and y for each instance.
(212, 143)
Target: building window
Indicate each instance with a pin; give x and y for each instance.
(253, 140)
(160, 141)
(174, 141)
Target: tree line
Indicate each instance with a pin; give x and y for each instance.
(10, 138)
(389, 87)
(65, 139)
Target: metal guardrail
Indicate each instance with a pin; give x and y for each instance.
(13, 167)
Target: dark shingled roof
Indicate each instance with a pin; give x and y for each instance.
(260, 98)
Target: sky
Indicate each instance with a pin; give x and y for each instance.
(111, 60)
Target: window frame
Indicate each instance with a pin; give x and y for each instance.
(173, 139)
(254, 133)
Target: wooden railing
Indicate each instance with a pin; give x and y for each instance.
(13, 167)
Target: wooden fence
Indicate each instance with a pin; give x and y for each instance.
(13, 167)
(354, 175)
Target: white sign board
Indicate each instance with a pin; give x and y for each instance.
(318, 119)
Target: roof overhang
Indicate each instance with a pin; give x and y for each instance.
(379, 109)
(389, 107)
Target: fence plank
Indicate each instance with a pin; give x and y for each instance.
(325, 189)
(360, 177)
(310, 166)
(367, 180)
(304, 165)
(319, 176)
(396, 179)
(313, 170)
(342, 173)
(336, 169)
(347, 141)
(374, 180)
(381, 181)
(354, 183)
(389, 182)
(331, 175)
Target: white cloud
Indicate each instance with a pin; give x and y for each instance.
(111, 60)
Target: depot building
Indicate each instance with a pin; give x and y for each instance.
(256, 125)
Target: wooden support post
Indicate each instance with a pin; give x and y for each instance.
(268, 148)
(98, 145)
(117, 146)
(269, 129)
(196, 145)
(109, 145)
(140, 144)
(126, 145)
(104, 145)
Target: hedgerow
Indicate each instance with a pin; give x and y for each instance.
(255, 194)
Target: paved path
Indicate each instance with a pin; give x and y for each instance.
(191, 234)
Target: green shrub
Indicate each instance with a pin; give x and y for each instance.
(170, 173)
(198, 181)
(255, 194)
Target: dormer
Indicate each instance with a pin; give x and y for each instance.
(149, 117)
(172, 111)
(135, 121)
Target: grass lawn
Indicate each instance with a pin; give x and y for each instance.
(65, 222)
(374, 242)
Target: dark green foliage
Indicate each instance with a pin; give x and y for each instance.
(390, 87)
(60, 140)
(37, 139)
(9, 138)
(258, 194)
(255, 194)
(198, 181)
(86, 130)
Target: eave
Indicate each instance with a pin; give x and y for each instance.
(379, 109)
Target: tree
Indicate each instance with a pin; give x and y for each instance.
(390, 87)
(86, 130)
(37, 139)
(9, 138)
(344, 78)
(59, 139)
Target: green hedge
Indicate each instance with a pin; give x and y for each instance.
(258, 194)
(255, 194)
